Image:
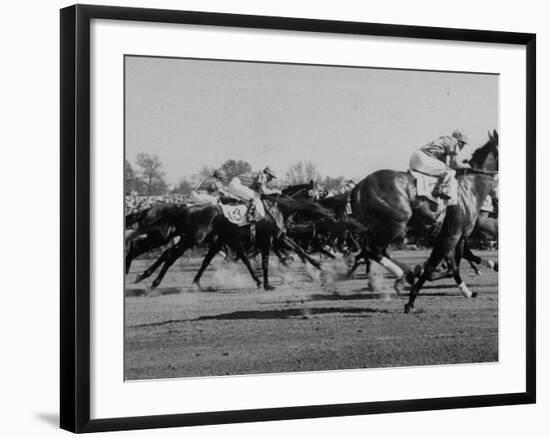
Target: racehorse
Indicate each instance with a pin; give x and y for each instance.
(159, 223)
(268, 230)
(339, 233)
(192, 224)
(386, 203)
(217, 230)
(474, 185)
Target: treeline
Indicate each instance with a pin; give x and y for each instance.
(146, 176)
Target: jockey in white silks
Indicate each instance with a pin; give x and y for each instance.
(249, 187)
(440, 158)
(208, 190)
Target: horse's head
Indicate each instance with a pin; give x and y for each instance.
(302, 191)
(485, 158)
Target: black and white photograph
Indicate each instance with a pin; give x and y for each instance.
(284, 218)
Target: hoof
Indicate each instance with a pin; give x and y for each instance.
(408, 308)
(417, 271)
(474, 294)
(258, 284)
(198, 286)
(399, 286)
(267, 286)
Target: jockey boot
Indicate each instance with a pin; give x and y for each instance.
(251, 211)
(442, 188)
(253, 233)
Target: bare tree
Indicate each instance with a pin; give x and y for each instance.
(234, 168)
(302, 172)
(151, 174)
(131, 181)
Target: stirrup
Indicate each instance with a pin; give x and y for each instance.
(439, 193)
(253, 232)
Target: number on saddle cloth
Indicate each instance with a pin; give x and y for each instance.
(235, 214)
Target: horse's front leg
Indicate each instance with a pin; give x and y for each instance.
(443, 247)
(164, 257)
(417, 286)
(177, 252)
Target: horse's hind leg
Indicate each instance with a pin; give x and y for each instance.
(455, 261)
(301, 253)
(246, 261)
(474, 267)
(129, 257)
(214, 249)
(471, 257)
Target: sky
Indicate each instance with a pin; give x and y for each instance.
(348, 121)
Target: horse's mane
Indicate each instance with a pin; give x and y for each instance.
(290, 205)
(480, 154)
(290, 190)
(336, 203)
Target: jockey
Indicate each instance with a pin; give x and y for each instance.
(209, 190)
(441, 158)
(250, 187)
(348, 186)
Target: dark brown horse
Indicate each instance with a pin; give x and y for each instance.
(268, 232)
(474, 186)
(192, 225)
(152, 228)
(338, 233)
(386, 203)
(201, 224)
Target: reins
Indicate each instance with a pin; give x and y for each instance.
(478, 171)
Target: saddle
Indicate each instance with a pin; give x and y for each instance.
(425, 186)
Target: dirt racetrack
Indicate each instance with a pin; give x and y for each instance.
(321, 323)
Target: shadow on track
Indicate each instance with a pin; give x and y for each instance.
(288, 313)
(295, 313)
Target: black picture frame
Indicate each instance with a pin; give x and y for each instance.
(75, 217)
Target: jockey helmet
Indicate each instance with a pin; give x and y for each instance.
(459, 136)
(269, 172)
(219, 174)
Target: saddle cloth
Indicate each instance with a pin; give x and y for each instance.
(425, 185)
(236, 214)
